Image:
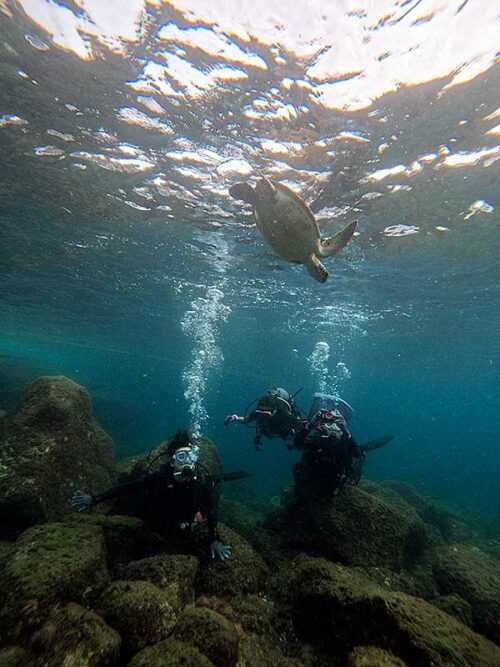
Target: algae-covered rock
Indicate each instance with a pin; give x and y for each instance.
(244, 572)
(371, 656)
(6, 549)
(417, 580)
(239, 516)
(451, 524)
(52, 563)
(257, 615)
(355, 528)
(74, 636)
(337, 609)
(139, 611)
(172, 573)
(127, 538)
(170, 653)
(256, 652)
(212, 634)
(50, 446)
(492, 548)
(473, 575)
(14, 656)
(455, 606)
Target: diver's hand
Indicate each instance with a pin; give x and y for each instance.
(81, 501)
(219, 550)
(230, 418)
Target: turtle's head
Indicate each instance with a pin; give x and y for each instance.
(243, 192)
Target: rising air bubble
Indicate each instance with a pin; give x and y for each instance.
(326, 381)
(201, 324)
(318, 364)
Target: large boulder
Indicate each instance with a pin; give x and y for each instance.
(355, 528)
(75, 636)
(256, 652)
(337, 609)
(49, 564)
(170, 653)
(173, 573)
(50, 446)
(127, 538)
(262, 627)
(142, 613)
(371, 656)
(452, 526)
(14, 656)
(455, 606)
(211, 633)
(244, 572)
(468, 572)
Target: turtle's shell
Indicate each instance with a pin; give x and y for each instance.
(285, 220)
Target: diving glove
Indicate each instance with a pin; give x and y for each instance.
(81, 501)
(231, 418)
(219, 550)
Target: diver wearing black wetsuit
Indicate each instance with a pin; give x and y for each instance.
(276, 416)
(173, 499)
(166, 504)
(329, 455)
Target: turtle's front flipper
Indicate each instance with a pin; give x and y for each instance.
(243, 192)
(331, 246)
(316, 269)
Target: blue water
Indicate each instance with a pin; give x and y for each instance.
(125, 265)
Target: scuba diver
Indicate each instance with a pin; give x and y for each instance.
(331, 458)
(176, 497)
(275, 415)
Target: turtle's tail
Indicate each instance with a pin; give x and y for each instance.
(331, 246)
(243, 192)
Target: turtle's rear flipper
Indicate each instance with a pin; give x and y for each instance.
(316, 269)
(243, 192)
(331, 246)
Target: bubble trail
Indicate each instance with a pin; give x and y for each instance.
(326, 381)
(318, 363)
(201, 324)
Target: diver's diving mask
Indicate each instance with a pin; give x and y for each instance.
(184, 463)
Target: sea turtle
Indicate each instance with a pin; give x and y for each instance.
(289, 226)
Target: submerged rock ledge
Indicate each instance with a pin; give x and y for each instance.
(380, 576)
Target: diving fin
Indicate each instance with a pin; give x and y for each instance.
(232, 476)
(375, 444)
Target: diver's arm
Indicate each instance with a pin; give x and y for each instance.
(125, 489)
(246, 419)
(235, 419)
(217, 548)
